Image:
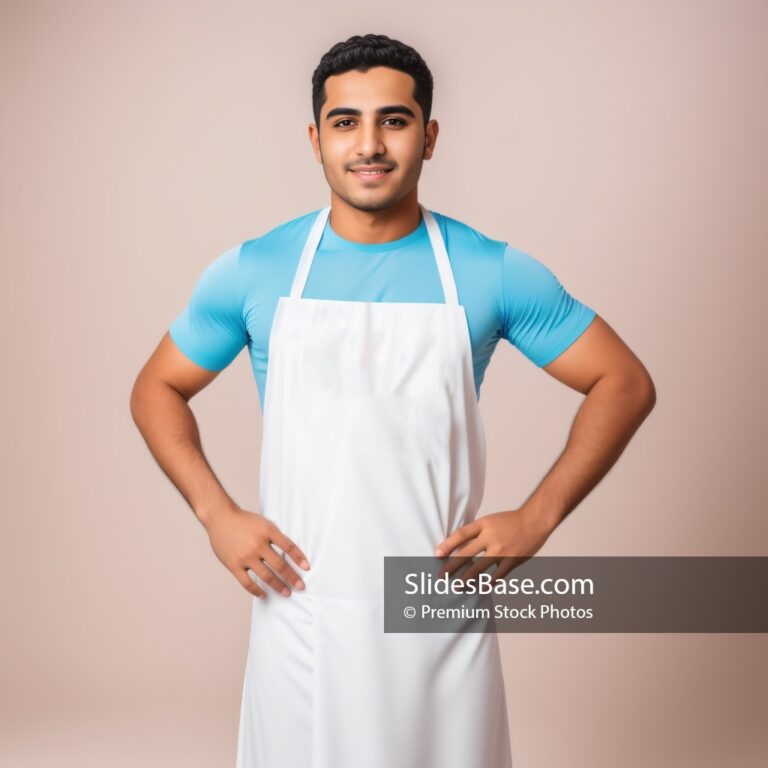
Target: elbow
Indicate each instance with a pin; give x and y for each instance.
(646, 393)
(636, 390)
(133, 401)
(136, 399)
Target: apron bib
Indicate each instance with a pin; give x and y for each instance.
(372, 446)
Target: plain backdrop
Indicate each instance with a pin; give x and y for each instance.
(620, 143)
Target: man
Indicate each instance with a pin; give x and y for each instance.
(370, 324)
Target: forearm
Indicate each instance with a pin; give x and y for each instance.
(170, 431)
(610, 414)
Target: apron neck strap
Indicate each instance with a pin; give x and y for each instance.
(435, 237)
(310, 246)
(441, 256)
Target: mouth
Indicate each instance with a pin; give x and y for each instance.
(370, 174)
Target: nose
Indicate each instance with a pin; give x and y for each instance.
(370, 143)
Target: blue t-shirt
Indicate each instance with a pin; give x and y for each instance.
(506, 293)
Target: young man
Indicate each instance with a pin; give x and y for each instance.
(369, 325)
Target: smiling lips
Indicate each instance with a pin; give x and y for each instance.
(370, 172)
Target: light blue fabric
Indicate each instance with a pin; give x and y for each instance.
(506, 293)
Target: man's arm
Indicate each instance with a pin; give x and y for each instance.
(619, 396)
(160, 410)
(242, 540)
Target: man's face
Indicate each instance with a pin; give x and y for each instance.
(370, 122)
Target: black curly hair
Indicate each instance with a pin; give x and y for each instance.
(361, 52)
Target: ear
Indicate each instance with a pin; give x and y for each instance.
(314, 140)
(430, 138)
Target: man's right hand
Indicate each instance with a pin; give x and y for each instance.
(243, 540)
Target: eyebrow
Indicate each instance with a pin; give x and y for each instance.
(399, 109)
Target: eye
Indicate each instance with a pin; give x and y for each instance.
(345, 120)
(396, 119)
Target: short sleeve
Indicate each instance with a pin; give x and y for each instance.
(540, 318)
(211, 330)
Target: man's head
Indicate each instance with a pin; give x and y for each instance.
(372, 98)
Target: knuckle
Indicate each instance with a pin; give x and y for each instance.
(284, 569)
(273, 581)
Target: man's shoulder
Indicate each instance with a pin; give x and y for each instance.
(288, 234)
(462, 238)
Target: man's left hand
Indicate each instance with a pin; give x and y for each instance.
(506, 538)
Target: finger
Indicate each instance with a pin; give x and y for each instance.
(289, 547)
(507, 564)
(266, 575)
(278, 564)
(250, 585)
(458, 537)
(462, 557)
(479, 567)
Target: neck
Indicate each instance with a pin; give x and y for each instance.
(380, 226)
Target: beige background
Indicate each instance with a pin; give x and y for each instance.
(621, 143)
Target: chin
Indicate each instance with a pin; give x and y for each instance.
(373, 202)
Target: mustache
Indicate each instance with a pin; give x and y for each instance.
(388, 166)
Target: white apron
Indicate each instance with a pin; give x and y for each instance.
(373, 445)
